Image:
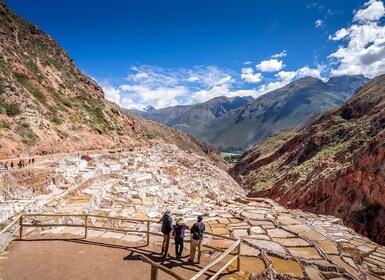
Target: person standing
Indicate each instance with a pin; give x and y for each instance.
(166, 221)
(196, 241)
(179, 233)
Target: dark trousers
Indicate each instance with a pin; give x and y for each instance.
(178, 246)
(165, 244)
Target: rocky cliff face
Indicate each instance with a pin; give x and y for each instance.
(48, 104)
(333, 165)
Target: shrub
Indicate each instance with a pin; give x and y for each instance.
(9, 109)
(67, 103)
(12, 109)
(5, 124)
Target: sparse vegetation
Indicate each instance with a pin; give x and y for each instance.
(26, 83)
(3, 67)
(5, 124)
(9, 109)
(26, 133)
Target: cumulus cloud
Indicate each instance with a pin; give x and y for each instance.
(158, 97)
(363, 48)
(111, 93)
(373, 11)
(318, 23)
(283, 78)
(272, 65)
(340, 34)
(164, 87)
(249, 76)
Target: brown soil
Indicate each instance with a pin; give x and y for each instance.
(84, 259)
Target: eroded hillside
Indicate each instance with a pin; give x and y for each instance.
(334, 165)
(48, 104)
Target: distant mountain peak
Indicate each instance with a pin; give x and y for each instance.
(149, 108)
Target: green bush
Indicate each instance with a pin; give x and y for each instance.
(67, 103)
(5, 124)
(9, 109)
(12, 109)
(56, 119)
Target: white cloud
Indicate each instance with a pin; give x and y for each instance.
(163, 87)
(221, 90)
(318, 23)
(111, 93)
(373, 11)
(283, 78)
(363, 51)
(249, 76)
(281, 54)
(340, 34)
(192, 79)
(272, 65)
(158, 97)
(128, 103)
(247, 62)
(317, 6)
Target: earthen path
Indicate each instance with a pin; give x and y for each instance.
(86, 259)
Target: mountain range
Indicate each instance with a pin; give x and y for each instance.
(48, 104)
(194, 119)
(236, 124)
(333, 164)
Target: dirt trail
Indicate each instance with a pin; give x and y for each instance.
(81, 259)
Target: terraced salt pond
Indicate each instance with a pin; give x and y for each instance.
(276, 241)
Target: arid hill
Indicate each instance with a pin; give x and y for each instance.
(334, 165)
(48, 104)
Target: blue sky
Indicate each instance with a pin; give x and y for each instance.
(165, 53)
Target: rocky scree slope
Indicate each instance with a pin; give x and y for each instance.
(47, 103)
(334, 165)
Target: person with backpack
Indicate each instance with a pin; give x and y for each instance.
(166, 221)
(196, 241)
(179, 233)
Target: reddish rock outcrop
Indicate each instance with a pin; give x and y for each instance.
(335, 164)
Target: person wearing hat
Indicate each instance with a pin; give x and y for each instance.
(179, 233)
(166, 221)
(196, 241)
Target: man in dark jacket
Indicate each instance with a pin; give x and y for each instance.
(196, 241)
(166, 221)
